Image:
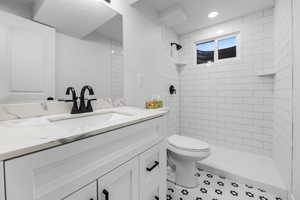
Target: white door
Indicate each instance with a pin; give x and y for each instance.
(121, 183)
(27, 59)
(88, 192)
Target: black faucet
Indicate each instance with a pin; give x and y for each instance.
(74, 100)
(86, 108)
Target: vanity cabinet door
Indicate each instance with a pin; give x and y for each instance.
(121, 183)
(89, 192)
(153, 173)
(153, 194)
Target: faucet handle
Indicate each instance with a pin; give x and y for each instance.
(86, 108)
(70, 100)
(71, 91)
(89, 107)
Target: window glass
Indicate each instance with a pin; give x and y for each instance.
(205, 52)
(227, 48)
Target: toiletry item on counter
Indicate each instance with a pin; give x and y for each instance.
(154, 103)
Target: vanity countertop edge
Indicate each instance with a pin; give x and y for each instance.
(10, 148)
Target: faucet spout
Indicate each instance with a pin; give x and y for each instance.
(87, 87)
(86, 108)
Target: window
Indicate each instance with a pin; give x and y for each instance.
(227, 48)
(218, 49)
(205, 52)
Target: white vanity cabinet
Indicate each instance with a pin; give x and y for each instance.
(121, 183)
(88, 192)
(152, 171)
(118, 164)
(140, 178)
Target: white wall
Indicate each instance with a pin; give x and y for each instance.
(282, 147)
(225, 103)
(169, 76)
(4, 65)
(144, 53)
(117, 71)
(83, 62)
(296, 132)
(147, 69)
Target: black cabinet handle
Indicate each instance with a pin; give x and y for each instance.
(156, 198)
(149, 169)
(106, 194)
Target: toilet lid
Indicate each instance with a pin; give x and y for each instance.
(187, 143)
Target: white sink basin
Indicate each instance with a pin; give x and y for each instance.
(87, 121)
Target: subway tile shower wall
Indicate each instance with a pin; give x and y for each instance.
(226, 103)
(117, 71)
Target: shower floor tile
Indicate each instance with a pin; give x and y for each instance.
(214, 187)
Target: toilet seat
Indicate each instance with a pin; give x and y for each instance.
(187, 144)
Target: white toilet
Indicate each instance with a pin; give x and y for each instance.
(183, 153)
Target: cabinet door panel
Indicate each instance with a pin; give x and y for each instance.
(89, 192)
(121, 183)
(152, 194)
(153, 173)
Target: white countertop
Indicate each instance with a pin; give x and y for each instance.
(25, 136)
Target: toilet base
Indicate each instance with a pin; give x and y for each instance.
(185, 170)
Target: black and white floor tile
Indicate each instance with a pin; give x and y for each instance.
(214, 187)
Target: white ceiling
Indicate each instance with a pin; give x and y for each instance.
(197, 10)
(77, 18)
(66, 19)
(113, 29)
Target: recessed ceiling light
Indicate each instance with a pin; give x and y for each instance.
(220, 31)
(213, 14)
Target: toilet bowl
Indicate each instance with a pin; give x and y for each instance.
(183, 153)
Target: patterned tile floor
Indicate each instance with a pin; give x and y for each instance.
(213, 187)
